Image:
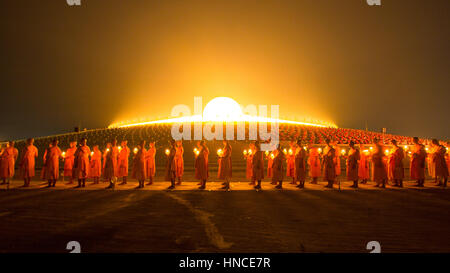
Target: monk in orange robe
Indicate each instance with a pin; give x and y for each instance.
(249, 167)
(69, 159)
(258, 165)
(225, 168)
(179, 162)
(363, 167)
(124, 153)
(396, 164)
(111, 166)
(150, 158)
(81, 164)
(337, 162)
(171, 170)
(9, 157)
(290, 162)
(417, 164)
(314, 164)
(270, 158)
(278, 168)
(104, 154)
(300, 165)
(44, 160)
(140, 165)
(379, 167)
(352, 164)
(201, 164)
(95, 164)
(447, 155)
(329, 167)
(441, 169)
(27, 163)
(52, 164)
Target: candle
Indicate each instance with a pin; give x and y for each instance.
(267, 153)
(272, 156)
(290, 151)
(371, 148)
(196, 151)
(304, 147)
(120, 148)
(92, 153)
(285, 151)
(135, 150)
(343, 151)
(167, 151)
(250, 151)
(406, 147)
(366, 152)
(107, 149)
(219, 152)
(63, 154)
(245, 152)
(386, 151)
(320, 150)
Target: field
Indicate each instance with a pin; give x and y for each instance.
(39, 219)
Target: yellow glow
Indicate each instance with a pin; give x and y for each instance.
(272, 156)
(219, 152)
(107, 149)
(285, 151)
(245, 152)
(343, 151)
(120, 148)
(167, 151)
(386, 151)
(267, 153)
(135, 150)
(63, 154)
(92, 153)
(250, 151)
(320, 150)
(290, 152)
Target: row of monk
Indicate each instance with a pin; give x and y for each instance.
(299, 161)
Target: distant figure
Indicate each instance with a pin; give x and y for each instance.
(225, 169)
(124, 154)
(314, 164)
(300, 165)
(171, 170)
(82, 166)
(104, 154)
(150, 158)
(9, 157)
(363, 167)
(447, 155)
(201, 164)
(140, 165)
(27, 162)
(290, 162)
(396, 164)
(352, 164)
(379, 168)
(179, 162)
(249, 166)
(44, 162)
(417, 163)
(329, 168)
(95, 164)
(52, 163)
(441, 168)
(111, 166)
(278, 168)
(270, 156)
(258, 165)
(337, 162)
(69, 160)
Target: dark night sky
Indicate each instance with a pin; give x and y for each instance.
(108, 60)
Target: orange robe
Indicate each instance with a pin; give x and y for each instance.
(44, 164)
(9, 157)
(225, 168)
(258, 166)
(140, 165)
(82, 162)
(52, 163)
(150, 158)
(379, 166)
(337, 163)
(269, 166)
(290, 164)
(123, 162)
(395, 169)
(27, 163)
(201, 165)
(417, 163)
(352, 164)
(441, 169)
(278, 167)
(179, 162)
(110, 171)
(170, 165)
(249, 167)
(363, 168)
(329, 167)
(96, 164)
(69, 160)
(314, 163)
(300, 164)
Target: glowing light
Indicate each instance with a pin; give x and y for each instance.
(167, 151)
(272, 156)
(370, 148)
(304, 147)
(320, 150)
(285, 151)
(250, 151)
(107, 149)
(92, 153)
(120, 148)
(63, 154)
(366, 152)
(406, 147)
(266, 153)
(386, 151)
(219, 152)
(244, 152)
(196, 151)
(222, 109)
(290, 152)
(135, 150)
(343, 151)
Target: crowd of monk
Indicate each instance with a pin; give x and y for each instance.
(297, 162)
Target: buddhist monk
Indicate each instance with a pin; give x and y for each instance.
(447, 155)
(278, 168)
(179, 162)
(439, 162)
(81, 165)
(52, 164)
(104, 154)
(69, 159)
(95, 164)
(150, 158)
(248, 155)
(258, 165)
(329, 167)
(111, 165)
(171, 170)
(44, 161)
(396, 164)
(314, 164)
(225, 168)
(290, 162)
(27, 162)
(270, 158)
(124, 153)
(140, 165)
(201, 164)
(417, 164)
(379, 168)
(363, 167)
(337, 162)
(353, 158)
(300, 165)
(9, 157)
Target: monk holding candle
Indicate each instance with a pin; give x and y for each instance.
(150, 162)
(124, 154)
(418, 157)
(95, 164)
(201, 164)
(69, 159)
(379, 168)
(337, 161)
(278, 168)
(300, 165)
(111, 165)
(314, 164)
(290, 162)
(441, 169)
(140, 165)
(179, 162)
(44, 162)
(363, 167)
(171, 170)
(27, 163)
(329, 168)
(52, 163)
(270, 158)
(248, 155)
(396, 164)
(352, 164)
(258, 165)
(225, 169)
(81, 165)
(9, 157)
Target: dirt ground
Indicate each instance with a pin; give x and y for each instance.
(315, 219)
